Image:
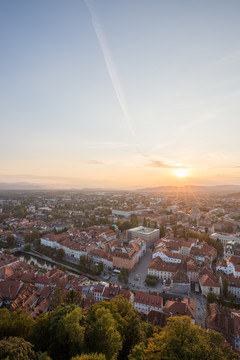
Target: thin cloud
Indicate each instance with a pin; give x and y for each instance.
(94, 162)
(161, 164)
(110, 65)
(231, 58)
(107, 145)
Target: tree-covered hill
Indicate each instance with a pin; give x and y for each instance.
(107, 331)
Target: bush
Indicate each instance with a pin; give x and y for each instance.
(151, 280)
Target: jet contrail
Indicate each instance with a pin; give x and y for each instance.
(110, 66)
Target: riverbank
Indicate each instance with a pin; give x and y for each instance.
(65, 264)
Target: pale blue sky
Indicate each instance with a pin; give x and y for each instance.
(119, 92)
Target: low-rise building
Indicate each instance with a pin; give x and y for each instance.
(149, 235)
(145, 302)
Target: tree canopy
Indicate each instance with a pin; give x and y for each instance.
(107, 331)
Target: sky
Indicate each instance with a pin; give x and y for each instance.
(121, 94)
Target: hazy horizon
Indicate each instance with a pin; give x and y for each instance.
(120, 94)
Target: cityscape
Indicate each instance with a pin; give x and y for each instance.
(167, 253)
(119, 180)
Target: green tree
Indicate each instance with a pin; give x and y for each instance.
(225, 287)
(10, 240)
(16, 324)
(175, 231)
(130, 326)
(93, 356)
(138, 352)
(27, 247)
(60, 333)
(123, 276)
(33, 235)
(15, 348)
(162, 231)
(151, 280)
(70, 332)
(73, 297)
(102, 335)
(41, 335)
(144, 222)
(134, 220)
(100, 267)
(181, 340)
(58, 297)
(211, 297)
(60, 254)
(42, 356)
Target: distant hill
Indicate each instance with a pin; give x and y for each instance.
(193, 188)
(22, 186)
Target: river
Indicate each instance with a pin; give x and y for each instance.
(32, 260)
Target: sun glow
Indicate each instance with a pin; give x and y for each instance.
(181, 172)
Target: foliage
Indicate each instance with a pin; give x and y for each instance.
(60, 333)
(42, 356)
(87, 265)
(124, 225)
(30, 237)
(128, 321)
(134, 220)
(123, 276)
(27, 247)
(162, 230)
(93, 356)
(102, 335)
(151, 280)
(137, 352)
(10, 240)
(181, 340)
(60, 254)
(108, 331)
(15, 324)
(225, 287)
(211, 297)
(16, 348)
(175, 231)
(73, 297)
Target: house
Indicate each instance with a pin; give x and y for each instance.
(180, 282)
(192, 271)
(157, 318)
(125, 257)
(145, 302)
(208, 282)
(167, 256)
(111, 291)
(180, 308)
(9, 290)
(161, 269)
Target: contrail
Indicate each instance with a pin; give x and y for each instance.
(110, 66)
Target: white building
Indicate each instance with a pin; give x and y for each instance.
(145, 302)
(167, 256)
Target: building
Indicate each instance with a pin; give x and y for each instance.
(161, 269)
(187, 307)
(208, 282)
(225, 238)
(149, 235)
(145, 302)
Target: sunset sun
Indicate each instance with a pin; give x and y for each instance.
(181, 173)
